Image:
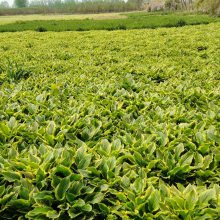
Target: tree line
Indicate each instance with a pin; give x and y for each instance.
(98, 6)
(207, 6)
(70, 6)
(210, 6)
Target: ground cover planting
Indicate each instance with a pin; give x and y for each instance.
(110, 125)
(114, 21)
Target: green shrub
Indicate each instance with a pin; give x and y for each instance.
(181, 23)
(41, 29)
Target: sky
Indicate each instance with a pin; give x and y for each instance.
(9, 1)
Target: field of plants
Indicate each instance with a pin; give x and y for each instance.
(110, 125)
(109, 21)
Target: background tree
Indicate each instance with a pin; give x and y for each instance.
(179, 4)
(210, 6)
(172, 4)
(4, 4)
(21, 3)
(138, 3)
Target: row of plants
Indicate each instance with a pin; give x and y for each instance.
(140, 20)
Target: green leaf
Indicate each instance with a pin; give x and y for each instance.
(163, 138)
(87, 208)
(186, 159)
(70, 197)
(121, 196)
(40, 175)
(64, 171)
(138, 158)
(12, 153)
(104, 208)
(204, 148)
(2, 137)
(97, 198)
(106, 146)
(85, 162)
(75, 177)
(105, 169)
(4, 128)
(2, 190)
(73, 213)
(76, 188)
(138, 185)
(43, 210)
(64, 206)
(200, 137)
(6, 198)
(125, 181)
(40, 98)
(207, 160)
(80, 153)
(116, 145)
(111, 163)
(82, 158)
(79, 203)
(179, 149)
(206, 196)
(104, 187)
(191, 199)
(52, 214)
(51, 128)
(43, 196)
(154, 201)
(179, 170)
(62, 187)
(11, 176)
(19, 204)
(12, 123)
